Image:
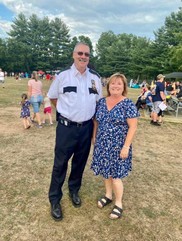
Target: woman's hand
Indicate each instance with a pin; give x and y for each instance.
(93, 140)
(124, 152)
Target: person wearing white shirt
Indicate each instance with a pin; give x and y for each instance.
(1, 77)
(74, 93)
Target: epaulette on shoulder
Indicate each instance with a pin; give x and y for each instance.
(58, 73)
(67, 68)
(94, 72)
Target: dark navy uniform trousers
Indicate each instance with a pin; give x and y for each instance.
(71, 141)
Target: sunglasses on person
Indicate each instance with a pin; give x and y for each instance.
(82, 53)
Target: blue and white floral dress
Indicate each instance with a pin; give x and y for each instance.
(25, 111)
(111, 134)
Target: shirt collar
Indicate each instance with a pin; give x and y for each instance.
(76, 72)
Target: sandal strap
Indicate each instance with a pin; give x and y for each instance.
(116, 213)
(104, 201)
(118, 208)
(119, 213)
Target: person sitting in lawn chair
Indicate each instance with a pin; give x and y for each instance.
(145, 99)
(179, 94)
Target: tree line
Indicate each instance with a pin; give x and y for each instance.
(45, 44)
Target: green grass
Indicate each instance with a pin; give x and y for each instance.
(11, 94)
(152, 192)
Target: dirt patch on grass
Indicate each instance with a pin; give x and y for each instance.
(10, 121)
(152, 193)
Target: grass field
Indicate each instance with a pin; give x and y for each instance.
(152, 192)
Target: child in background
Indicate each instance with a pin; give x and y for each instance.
(47, 109)
(25, 111)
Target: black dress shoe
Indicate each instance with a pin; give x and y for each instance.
(56, 212)
(75, 199)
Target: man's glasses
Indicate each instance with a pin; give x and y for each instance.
(82, 53)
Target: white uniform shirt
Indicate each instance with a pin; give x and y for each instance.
(76, 93)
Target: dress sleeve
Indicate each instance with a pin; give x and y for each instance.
(97, 106)
(131, 110)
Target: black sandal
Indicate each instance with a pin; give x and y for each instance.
(104, 201)
(117, 213)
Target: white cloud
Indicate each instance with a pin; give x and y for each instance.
(4, 27)
(140, 17)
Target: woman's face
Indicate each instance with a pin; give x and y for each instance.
(116, 86)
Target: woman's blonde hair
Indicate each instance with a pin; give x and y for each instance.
(35, 75)
(124, 80)
(148, 86)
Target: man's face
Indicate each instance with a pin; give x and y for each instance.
(81, 57)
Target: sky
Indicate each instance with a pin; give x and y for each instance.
(92, 18)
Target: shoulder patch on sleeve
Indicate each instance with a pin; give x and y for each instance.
(94, 72)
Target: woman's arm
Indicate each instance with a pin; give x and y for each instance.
(132, 123)
(29, 91)
(94, 130)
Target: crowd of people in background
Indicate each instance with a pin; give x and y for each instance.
(146, 99)
(155, 93)
(25, 75)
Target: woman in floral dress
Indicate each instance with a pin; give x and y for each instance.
(114, 127)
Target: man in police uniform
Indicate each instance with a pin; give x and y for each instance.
(74, 93)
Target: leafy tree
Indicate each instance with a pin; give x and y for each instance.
(60, 44)
(3, 53)
(102, 51)
(16, 56)
(118, 55)
(41, 44)
(139, 58)
(45, 44)
(124, 53)
(176, 53)
(167, 41)
(20, 46)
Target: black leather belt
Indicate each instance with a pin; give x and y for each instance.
(64, 121)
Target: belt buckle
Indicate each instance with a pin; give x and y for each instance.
(79, 124)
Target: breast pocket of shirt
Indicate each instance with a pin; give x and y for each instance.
(69, 89)
(93, 91)
(71, 93)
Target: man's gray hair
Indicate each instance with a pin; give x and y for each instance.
(80, 43)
